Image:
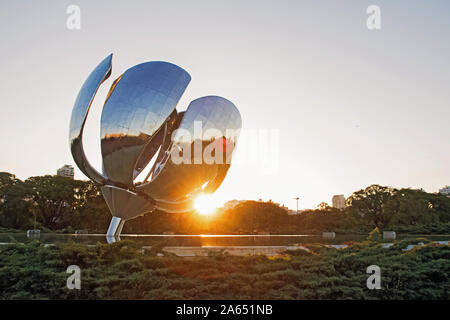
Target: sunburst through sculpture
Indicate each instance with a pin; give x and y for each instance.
(190, 151)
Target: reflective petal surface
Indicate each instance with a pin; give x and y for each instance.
(79, 114)
(139, 104)
(176, 184)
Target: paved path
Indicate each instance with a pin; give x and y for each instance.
(232, 250)
(257, 250)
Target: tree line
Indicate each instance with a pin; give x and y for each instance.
(62, 204)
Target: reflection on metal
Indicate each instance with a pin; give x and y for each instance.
(144, 97)
(192, 150)
(114, 230)
(79, 114)
(175, 185)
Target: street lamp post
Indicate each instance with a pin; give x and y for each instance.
(297, 202)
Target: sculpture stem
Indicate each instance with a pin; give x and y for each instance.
(114, 230)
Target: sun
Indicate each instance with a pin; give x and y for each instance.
(205, 205)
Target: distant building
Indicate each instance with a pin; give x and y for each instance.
(66, 171)
(338, 201)
(445, 190)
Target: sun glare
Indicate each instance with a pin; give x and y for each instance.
(205, 205)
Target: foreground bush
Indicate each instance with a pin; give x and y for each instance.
(124, 271)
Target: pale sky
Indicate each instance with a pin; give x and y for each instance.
(352, 106)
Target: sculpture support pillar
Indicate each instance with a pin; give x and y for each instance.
(115, 228)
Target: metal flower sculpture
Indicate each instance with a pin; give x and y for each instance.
(190, 151)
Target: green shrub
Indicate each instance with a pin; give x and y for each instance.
(122, 271)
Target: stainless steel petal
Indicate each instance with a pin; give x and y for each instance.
(176, 184)
(79, 114)
(143, 98)
(159, 141)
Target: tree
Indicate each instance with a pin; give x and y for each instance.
(249, 216)
(415, 208)
(14, 202)
(376, 204)
(323, 206)
(55, 197)
(90, 211)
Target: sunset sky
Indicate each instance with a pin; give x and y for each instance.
(343, 106)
